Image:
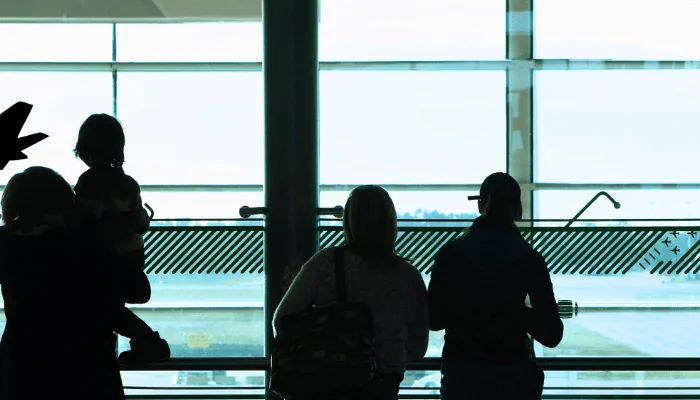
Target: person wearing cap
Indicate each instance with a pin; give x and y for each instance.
(477, 292)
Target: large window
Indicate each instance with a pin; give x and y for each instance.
(429, 136)
(618, 30)
(61, 100)
(612, 113)
(616, 126)
(412, 128)
(194, 142)
(56, 43)
(195, 42)
(194, 128)
(417, 202)
(656, 204)
(415, 30)
(422, 97)
(645, 310)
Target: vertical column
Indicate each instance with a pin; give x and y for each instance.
(290, 68)
(519, 45)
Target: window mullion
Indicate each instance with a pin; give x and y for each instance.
(519, 47)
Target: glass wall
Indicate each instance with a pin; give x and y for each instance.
(192, 109)
(427, 98)
(613, 113)
(411, 128)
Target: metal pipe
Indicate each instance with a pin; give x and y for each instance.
(434, 363)
(602, 193)
(467, 65)
(247, 212)
(567, 308)
(635, 308)
(336, 211)
(470, 187)
(254, 67)
(440, 222)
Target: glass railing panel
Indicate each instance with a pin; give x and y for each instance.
(622, 385)
(559, 385)
(193, 384)
(208, 287)
(588, 383)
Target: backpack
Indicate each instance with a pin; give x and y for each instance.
(326, 349)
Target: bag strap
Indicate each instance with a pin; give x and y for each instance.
(339, 254)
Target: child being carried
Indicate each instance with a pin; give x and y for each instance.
(109, 206)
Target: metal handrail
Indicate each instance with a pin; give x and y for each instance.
(467, 220)
(579, 308)
(605, 194)
(434, 363)
(414, 65)
(585, 309)
(427, 187)
(456, 220)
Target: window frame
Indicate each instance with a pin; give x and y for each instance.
(519, 65)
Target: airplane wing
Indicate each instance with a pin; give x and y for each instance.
(30, 140)
(12, 157)
(11, 123)
(12, 120)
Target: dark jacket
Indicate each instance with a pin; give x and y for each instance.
(111, 201)
(477, 293)
(62, 299)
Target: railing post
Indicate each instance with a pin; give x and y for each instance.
(290, 69)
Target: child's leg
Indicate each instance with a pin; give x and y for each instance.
(146, 344)
(133, 327)
(134, 262)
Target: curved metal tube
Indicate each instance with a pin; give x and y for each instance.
(247, 212)
(615, 203)
(336, 211)
(150, 210)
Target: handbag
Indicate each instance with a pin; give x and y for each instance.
(325, 350)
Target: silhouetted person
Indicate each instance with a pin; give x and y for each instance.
(477, 294)
(375, 275)
(110, 207)
(64, 296)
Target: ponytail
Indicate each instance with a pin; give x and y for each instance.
(501, 208)
(497, 207)
(499, 198)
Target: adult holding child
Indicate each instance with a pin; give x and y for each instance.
(64, 295)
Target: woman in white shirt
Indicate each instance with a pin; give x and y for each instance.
(375, 275)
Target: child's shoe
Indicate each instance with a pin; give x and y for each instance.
(146, 350)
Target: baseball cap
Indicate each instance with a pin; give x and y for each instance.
(500, 184)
